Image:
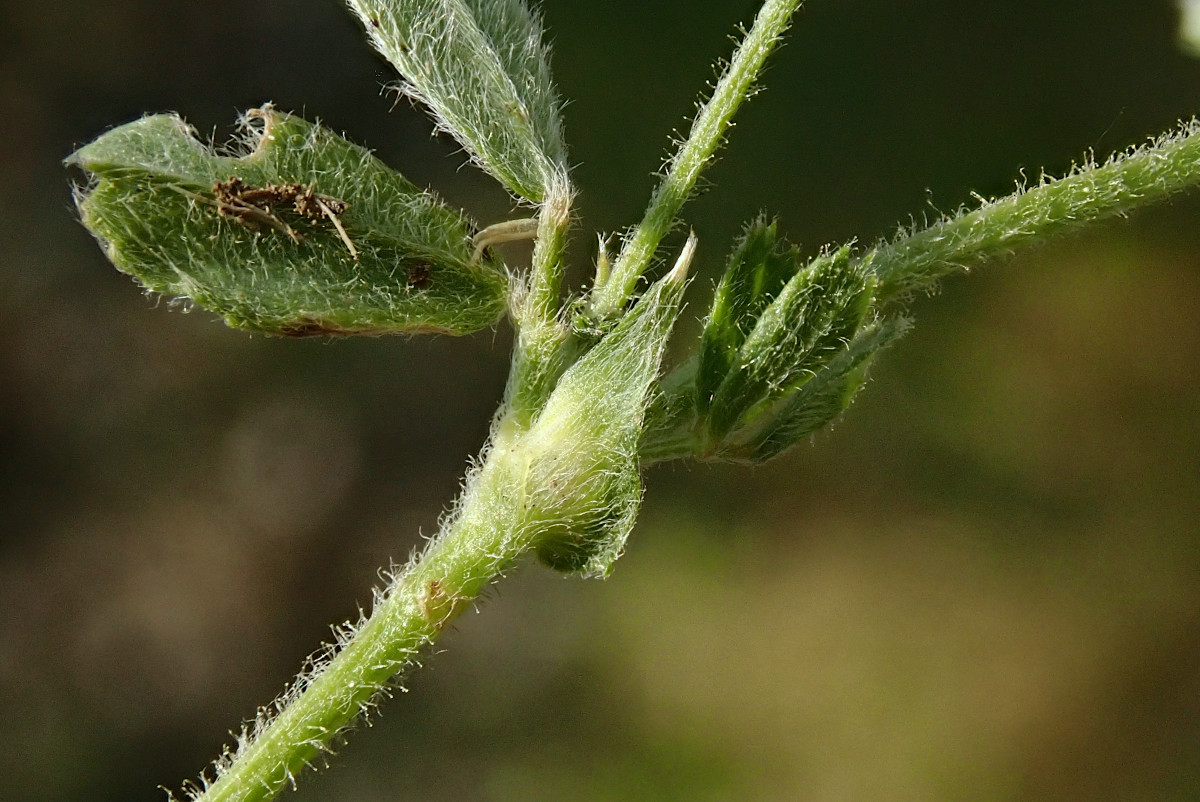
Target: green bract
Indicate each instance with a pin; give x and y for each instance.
(788, 417)
(303, 233)
(481, 67)
(583, 476)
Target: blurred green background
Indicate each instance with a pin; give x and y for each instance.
(983, 583)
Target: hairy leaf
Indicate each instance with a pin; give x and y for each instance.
(806, 325)
(758, 269)
(784, 421)
(302, 233)
(483, 69)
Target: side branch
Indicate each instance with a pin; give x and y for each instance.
(693, 156)
(1089, 193)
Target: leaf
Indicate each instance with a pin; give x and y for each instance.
(758, 269)
(303, 233)
(818, 401)
(482, 68)
(807, 324)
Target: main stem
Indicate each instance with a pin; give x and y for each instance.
(694, 155)
(482, 538)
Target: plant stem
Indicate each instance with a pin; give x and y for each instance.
(546, 272)
(544, 348)
(1089, 193)
(694, 155)
(476, 545)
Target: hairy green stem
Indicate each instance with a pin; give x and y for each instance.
(480, 540)
(543, 349)
(1089, 193)
(546, 272)
(694, 155)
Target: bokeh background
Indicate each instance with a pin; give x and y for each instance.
(983, 583)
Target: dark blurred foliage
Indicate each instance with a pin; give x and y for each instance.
(984, 583)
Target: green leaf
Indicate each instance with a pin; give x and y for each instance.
(817, 402)
(302, 233)
(758, 269)
(482, 68)
(811, 320)
(669, 430)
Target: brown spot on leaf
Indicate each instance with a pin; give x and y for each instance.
(256, 206)
(419, 276)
